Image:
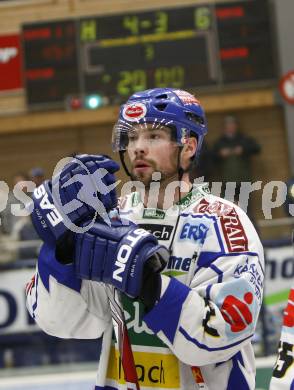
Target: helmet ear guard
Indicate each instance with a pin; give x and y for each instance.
(168, 107)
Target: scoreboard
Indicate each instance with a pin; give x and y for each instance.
(117, 55)
(51, 62)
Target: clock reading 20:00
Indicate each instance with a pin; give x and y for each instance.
(137, 80)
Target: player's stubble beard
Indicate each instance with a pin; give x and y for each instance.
(165, 176)
(168, 173)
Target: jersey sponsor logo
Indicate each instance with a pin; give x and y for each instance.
(215, 208)
(53, 215)
(160, 370)
(252, 268)
(125, 251)
(234, 232)
(153, 214)
(194, 232)
(134, 321)
(161, 232)
(193, 196)
(232, 228)
(236, 312)
(138, 331)
(134, 111)
(178, 263)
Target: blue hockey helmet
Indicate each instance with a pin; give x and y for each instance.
(170, 107)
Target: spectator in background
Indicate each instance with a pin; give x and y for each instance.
(7, 218)
(290, 197)
(9, 223)
(23, 231)
(26, 238)
(202, 167)
(37, 175)
(20, 240)
(232, 153)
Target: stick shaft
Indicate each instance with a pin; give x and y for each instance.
(122, 337)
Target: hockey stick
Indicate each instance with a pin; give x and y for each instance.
(122, 337)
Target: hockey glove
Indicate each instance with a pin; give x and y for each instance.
(83, 188)
(119, 255)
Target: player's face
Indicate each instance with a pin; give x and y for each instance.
(151, 149)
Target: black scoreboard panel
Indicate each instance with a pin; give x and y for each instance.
(130, 52)
(51, 62)
(125, 70)
(117, 55)
(245, 41)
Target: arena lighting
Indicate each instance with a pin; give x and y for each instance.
(76, 103)
(88, 102)
(92, 102)
(73, 103)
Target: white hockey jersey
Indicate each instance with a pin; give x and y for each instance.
(207, 325)
(283, 375)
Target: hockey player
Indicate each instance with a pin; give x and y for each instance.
(189, 264)
(283, 374)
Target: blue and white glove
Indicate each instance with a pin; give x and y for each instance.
(120, 255)
(85, 187)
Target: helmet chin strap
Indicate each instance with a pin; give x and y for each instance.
(123, 163)
(181, 172)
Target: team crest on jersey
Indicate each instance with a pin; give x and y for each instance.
(134, 112)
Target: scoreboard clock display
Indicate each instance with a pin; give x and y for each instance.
(162, 48)
(117, 55)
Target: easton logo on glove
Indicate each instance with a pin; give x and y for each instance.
(53, 216)
(117, 255)
(125, 251)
